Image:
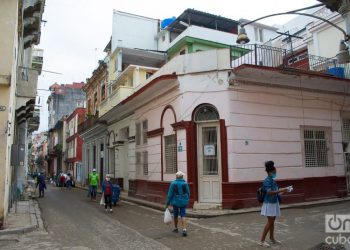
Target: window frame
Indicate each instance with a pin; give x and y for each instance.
(166, 169)
(329, 145)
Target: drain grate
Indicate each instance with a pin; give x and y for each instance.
(325, 246)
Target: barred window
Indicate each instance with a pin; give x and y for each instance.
(144, 131)
(316, 148)
(346, 129)
(138, 134)
(138, 163)
(170, 154)
(145, 162)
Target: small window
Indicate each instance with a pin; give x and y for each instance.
(163, 38)
(138, 163)
(95, 99)
(170, 154)
(144, 131)
(148, 75)
(103, 92)
(346, 130)
(182, 52)
(317, 145)
(138, 134)
(145, 163)
(261, 35)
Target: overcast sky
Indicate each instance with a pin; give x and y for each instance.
(77, 31)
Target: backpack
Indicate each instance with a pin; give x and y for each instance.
(181, 199)
(260, 194)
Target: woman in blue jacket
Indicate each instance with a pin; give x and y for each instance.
(107, 190)
(178, 197)
(270, 207)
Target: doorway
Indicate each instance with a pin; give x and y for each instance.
(208, 155)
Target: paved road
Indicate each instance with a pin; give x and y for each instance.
(74, 222)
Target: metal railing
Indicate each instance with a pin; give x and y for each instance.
(262, 55)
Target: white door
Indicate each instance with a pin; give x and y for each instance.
(209, 163)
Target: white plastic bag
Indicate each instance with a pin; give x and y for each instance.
(167, 217)
(102, 201)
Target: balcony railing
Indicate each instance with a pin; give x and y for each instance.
(262, 55)
(89, 122)
(118, 95)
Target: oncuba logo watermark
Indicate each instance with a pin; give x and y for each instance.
(337, 225)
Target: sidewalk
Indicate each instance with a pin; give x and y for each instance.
(22, 218)
(220, 212)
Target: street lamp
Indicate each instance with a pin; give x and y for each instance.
(343, 54)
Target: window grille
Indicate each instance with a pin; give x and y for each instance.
(346, 129)
(145, 162)
(138, 134)
(144, 131)
(138, 163)
(316, 148)
(170, 154)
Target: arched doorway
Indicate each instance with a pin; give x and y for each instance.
(207, 119)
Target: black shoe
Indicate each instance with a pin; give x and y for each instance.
(184, 233)
(175, 230)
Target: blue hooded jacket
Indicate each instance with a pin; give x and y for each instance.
(178, 196)
(270, 184)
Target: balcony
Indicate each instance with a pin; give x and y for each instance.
(266, 56)
(27, 81)
(88, 123)
(118, 95)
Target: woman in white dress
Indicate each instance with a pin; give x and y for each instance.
(270, 207)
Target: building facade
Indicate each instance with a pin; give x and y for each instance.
(74, 144)
(63, 100)
(20, 23)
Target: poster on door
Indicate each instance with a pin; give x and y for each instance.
(209, 150)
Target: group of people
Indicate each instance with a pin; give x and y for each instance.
(179, 196)
(107, 189)
(65, 180)
(179, 193)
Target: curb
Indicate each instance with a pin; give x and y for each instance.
(217, 213)
(33, 221)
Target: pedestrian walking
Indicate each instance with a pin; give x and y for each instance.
(270, 207)
(42, 185)
(62, 180)
(68, 181)
(178, 197)
(93, 181)
(107, 191)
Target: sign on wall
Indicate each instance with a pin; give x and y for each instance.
(209, 150)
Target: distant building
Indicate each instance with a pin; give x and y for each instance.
(74, 143)
(64, 99)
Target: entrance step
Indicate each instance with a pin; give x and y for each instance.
(206, 206)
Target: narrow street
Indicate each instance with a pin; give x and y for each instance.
(72, 221)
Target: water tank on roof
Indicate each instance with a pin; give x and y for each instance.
(166, 22)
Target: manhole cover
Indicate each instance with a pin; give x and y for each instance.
(325, 246)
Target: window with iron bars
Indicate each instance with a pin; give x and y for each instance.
(316, 146)
(346, 130)
(170, 154)
(138, 163)
(145, 163)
